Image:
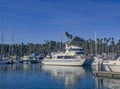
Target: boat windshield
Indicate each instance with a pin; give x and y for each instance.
(76, 49)
(79, 52)
(65, 57)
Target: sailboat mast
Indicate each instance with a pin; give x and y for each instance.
(12, 38)
(95, 43)
(61, 43)
(2, 42)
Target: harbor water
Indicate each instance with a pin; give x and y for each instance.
(37, 76)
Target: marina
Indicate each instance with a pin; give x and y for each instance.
(57, 76)
(59, 44)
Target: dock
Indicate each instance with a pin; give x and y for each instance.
(114, 75)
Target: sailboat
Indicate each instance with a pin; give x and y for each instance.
(11, 58)
(95, 59)
(3, 59)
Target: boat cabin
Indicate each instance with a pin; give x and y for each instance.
(75, 50)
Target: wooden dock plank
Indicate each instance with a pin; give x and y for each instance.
(105, 74)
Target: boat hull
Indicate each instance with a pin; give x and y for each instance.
(112, 66)
(64, 62)
(91, 62)
(112, 63)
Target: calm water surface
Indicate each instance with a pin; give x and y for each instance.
(37, 76)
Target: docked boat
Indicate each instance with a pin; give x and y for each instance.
(30, 59)
(112, 65)
(93, 60)
(11, 62)
(8, 60)
(112, 62)
(73, 56)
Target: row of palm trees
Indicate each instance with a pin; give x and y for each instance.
(104, 45)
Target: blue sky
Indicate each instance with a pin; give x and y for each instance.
(39, 20)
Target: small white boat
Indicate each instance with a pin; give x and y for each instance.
(73, 56)
(24, 59)
(112, 62)
(30, 59)
(112, 68)
(112, 65)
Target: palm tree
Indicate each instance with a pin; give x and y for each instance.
(113, 44)
(90, 43)
(101, 44)
(105, 41)
(69, 36)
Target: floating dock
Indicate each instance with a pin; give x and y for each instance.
(115, 75)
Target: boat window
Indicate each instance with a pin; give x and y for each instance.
(60, 57)
(79, 52)
(69, 57)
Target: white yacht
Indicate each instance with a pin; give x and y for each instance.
(73, 56)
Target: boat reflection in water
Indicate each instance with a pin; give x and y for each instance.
(69, 74)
